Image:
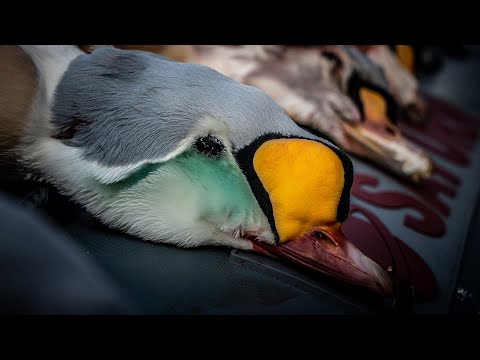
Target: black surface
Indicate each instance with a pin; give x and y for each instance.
(164, 279)
(44, 272)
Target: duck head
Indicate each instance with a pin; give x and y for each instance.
(374, 87)
(398, 67)
(377, 136)
(179, 153)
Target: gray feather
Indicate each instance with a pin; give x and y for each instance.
(122, 107)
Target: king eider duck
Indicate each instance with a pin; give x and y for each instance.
(178, 153)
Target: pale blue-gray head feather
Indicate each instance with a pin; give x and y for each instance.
(121, 107)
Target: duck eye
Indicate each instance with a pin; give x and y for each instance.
(210, 146)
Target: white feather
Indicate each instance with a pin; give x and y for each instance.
(163, 207)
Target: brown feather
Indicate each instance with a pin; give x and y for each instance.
(18, 80)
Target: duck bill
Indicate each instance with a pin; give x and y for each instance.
(389, 149)
(327, 250)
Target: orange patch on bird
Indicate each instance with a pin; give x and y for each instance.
(406, 56)
(304, 180)
(374, 106)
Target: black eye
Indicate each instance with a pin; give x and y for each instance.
(210, 146)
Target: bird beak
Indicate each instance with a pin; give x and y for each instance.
(379, 140)
(326, 249)
(307, 184)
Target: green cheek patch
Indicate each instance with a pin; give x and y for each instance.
(218, 183)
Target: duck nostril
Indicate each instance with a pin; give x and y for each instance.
(323, 239)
